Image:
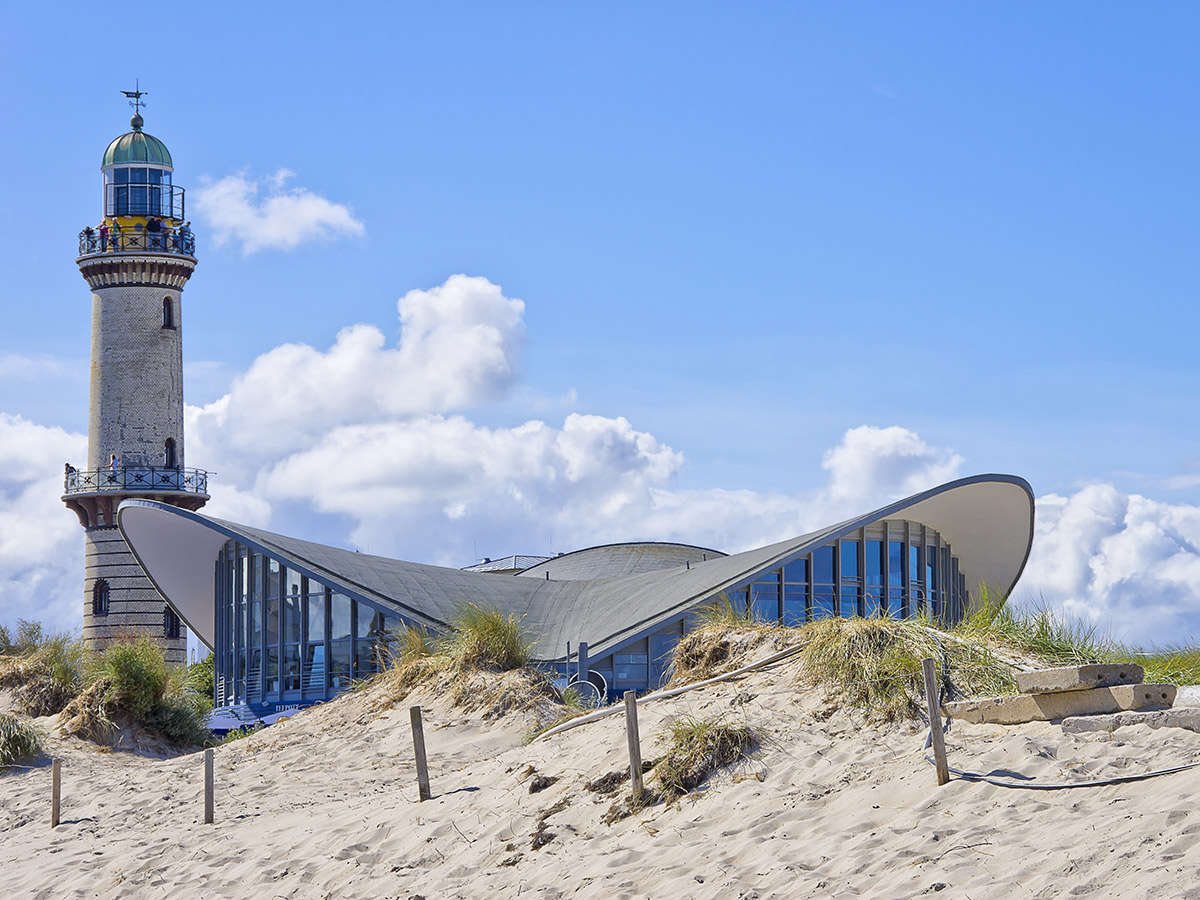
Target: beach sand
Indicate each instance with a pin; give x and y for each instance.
(325, 805)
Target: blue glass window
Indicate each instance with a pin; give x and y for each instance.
(851, 580)
(896, 579)
(873, 600)
(822, 583)
(764, 598)
(795, 592)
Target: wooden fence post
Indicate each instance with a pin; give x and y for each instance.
(208, 786)
(635, 745)
(419, 751)
(934, 697)
(55, 791)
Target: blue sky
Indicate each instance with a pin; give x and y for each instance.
(744, 231)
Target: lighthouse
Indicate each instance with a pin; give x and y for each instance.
(136, 259)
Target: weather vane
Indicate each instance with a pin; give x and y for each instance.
(135, 97)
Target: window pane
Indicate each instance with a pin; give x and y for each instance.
(316, 619)
(823, 584)
(294, 583)
(314, 669)
(274, 577)
(339, 664)
(795, 603)
(764, 600)
(272, 623)
(340, 624)
(291, 667)
(796, 572)
(849, 559)
(291, 620)
(369, 620)
(256, 623)
(364, 658)
(256, 576)
(895, 564)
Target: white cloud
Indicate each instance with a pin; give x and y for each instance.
(872, 463)
(267, 215)
(459, 346)
(1126, 563)
(41, 543)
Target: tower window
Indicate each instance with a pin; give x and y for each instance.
(168, 313)
(100, 598)
(171, 624)
(169, 454)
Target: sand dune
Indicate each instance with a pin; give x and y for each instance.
(324, 805)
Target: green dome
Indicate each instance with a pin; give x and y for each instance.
(137, 147)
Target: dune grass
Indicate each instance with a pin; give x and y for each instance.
(18, 740)
(482, 637)
(132, 677)
(875, 665)
(44, 670)
(696, 748)
(1051, 639)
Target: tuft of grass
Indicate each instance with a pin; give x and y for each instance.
(47, 674)
(484, 638)
(412, 642)
(18, 740)
(1170, 665)
(875, 665)
(1038, 631)
(696, 748)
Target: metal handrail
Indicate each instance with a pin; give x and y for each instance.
(135, 478)
(178, 240)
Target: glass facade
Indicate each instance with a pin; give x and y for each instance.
(894, 568)
(285, 639)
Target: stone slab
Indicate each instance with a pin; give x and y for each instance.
(1078, 678)
(1182, 717)
(1051, 707)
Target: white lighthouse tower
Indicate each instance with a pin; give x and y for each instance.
(136, 261)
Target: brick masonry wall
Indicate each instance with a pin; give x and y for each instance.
(135, 606)
(136, 396)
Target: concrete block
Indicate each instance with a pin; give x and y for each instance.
(1182, 717)
(1050, 707)
(1078, 678)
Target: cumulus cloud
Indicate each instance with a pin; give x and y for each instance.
(265, 214)
(41, 543)
(1128, 564)
(459, 346)
(872, 462)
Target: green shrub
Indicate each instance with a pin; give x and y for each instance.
(696, 748)
(181, 718)
(485, 638)
(139, 674)
(200, 679)
(18, 740)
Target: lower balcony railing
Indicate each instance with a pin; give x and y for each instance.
(135, 478)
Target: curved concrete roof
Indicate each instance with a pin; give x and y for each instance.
(619, 559)
(988, 519)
